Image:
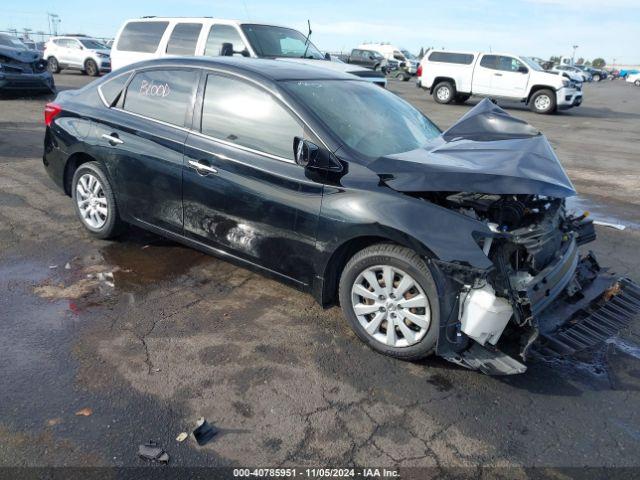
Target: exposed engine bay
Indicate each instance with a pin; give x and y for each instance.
(537, 269)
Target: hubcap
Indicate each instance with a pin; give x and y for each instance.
(391, 306)
(443, 94)
(92, 203)
(543, 102)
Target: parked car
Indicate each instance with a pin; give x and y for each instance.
(391, 52)
(366, 58)
(456, 76)
(574, 71)
(77, 53)
(577, 78)
(153, 37)
(22, 69)
(634, 78)
(430, 241)
(596, 73)
(625, 72)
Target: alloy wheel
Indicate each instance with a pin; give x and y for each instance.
(391, 306)
(91, 200)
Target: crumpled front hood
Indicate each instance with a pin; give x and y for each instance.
(25, 56)
(486, 151)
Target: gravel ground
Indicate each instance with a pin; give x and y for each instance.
(151, 335)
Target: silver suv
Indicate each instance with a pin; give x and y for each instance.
(80, 53)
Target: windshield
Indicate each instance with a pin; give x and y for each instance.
(532, 63)
(365, 117)
(13, 42)
(268, 41)
(409, 55)
(93, 44)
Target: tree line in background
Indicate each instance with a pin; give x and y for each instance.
(596, 62)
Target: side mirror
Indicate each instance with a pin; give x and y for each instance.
(309, 155)
(226, 50)
(305, 152)
(523, 69)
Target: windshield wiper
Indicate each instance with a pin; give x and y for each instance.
(306, 42)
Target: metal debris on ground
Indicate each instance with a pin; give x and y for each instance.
(617, 226)
(204, 432)
(182, 436)
(151, 451)
(67, 266)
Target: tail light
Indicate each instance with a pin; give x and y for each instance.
(419, 71)
(51, 110)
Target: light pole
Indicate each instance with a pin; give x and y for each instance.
(573, 55)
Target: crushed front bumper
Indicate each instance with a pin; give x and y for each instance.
(16, 82)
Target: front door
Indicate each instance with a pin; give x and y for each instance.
(143, 139)
(242, 191)
(511, 77)
(483, 75)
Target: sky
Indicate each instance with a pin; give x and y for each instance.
(601, 28)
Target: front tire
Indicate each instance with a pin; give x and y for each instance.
(94, 201)
(637, 83)
(444, 92)
(390, 300)
(91, 67)
(543, 101)
(53, 65)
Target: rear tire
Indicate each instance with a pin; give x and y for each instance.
(415, 328)
(543, 101)
(53, 65)
(444, 92)
(94, 201)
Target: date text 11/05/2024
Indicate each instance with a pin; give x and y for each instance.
(316, 472)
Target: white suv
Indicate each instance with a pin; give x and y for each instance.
(456, 76)
(80, 53)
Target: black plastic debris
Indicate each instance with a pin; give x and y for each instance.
(153, 452)
(204, 432)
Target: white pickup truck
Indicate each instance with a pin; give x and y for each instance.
(456, 76)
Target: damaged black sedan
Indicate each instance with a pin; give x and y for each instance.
(21, 69)
(456, 243)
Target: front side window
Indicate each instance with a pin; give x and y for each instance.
(165, 95)
(490, 61)
(271, 42)
(220, 34)
(367, 118)
(240, 113)
(93, 44)
(184, 39)
(141, 36)
(509, 64)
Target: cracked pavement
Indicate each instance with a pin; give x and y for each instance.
(152, 335)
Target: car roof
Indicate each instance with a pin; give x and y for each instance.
(269, 69)
(207, 20)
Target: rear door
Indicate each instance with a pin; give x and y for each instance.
(143, 137)
(243, 193)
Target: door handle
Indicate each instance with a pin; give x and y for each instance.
(498, 74)
(201, 168)
(112, 139)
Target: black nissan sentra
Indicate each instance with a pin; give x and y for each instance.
(456, 243)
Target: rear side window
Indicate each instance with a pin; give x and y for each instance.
(112, 89)
(184, 39)
(141, 36)
(240, 113)
(450, 57)
(165, 95)
(220, 34)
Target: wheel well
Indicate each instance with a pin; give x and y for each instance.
(337, 262)
(437, 80)
(73, 162)
(537, 88)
